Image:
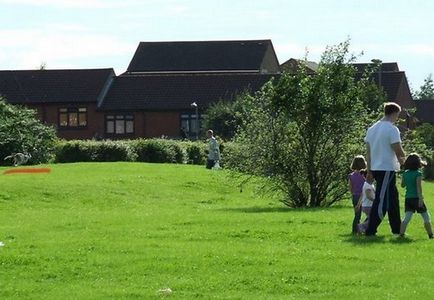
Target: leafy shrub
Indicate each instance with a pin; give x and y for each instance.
(196, 152)
(85, 151)
(224, 117)
(426, 133)
(22, 132)
(158, 151)
(299, 131)
(232, 156)
(112, 151)
(428, 171)
(144, 150)
(71, 151)
(413, 141)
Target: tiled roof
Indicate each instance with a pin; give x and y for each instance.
(205, 56)
(389, 81)
(385, 67)
(425, 110)
(177, 92)
(53, 86)
(292, 65)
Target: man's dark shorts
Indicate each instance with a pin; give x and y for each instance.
(412, 204)
(210, 163)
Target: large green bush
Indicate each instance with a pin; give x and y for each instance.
(159, 151)
(22, 132)
(300, 131)
(196, 152)
(84, 151)
(143, 150)
(224, 117)
(421, 140)
(72, 151)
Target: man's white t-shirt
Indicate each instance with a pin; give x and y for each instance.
(365, 200)
(380, 138)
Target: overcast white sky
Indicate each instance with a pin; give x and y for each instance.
(97, 33)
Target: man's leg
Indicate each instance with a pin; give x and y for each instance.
(209, 163)
(393, 205)
(379, 205)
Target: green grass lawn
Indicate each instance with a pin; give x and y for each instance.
(127, 230)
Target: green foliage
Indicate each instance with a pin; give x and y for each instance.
(426, 133)
(72, 151)
(22, 132)
(421, 140)
(196, 152)
(150, 150)
(426, 90)
(372, 95)
(233, 155)
(224, 118)
(158, 151)
(84, 151)
(302, 131)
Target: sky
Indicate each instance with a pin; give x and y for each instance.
(105, 34)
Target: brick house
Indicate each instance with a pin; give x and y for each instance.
(66, 99)
(161, 104)
(393, 82)
(153, 97)
(163, 79)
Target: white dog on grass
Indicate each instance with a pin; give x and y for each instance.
(19, 158)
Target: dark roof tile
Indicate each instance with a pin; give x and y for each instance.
(425, 110)
(177, 92)
(53, 86)
(385, 67)
(194, 56)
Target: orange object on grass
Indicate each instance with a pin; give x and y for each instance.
(27, 171)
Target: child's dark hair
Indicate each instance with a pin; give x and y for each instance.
(359, 163)
(414, 162)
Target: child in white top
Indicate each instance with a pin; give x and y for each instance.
(366, 200)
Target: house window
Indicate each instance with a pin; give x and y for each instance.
(72, 117)
(119, 124)
(190, 124)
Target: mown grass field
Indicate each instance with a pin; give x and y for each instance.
(127, 230)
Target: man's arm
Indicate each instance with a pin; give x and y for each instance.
(368, 158)
(400, 154)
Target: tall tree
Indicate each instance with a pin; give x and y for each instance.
(301, 131)
(426, 90)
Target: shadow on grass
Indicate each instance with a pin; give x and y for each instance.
(259, 209)
(402, 241)
(256, 209)
(363, 240)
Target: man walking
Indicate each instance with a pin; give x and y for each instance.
(384, 156)
(213, 150)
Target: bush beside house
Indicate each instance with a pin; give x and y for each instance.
(141, 150)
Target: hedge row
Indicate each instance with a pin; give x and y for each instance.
(142, 150)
